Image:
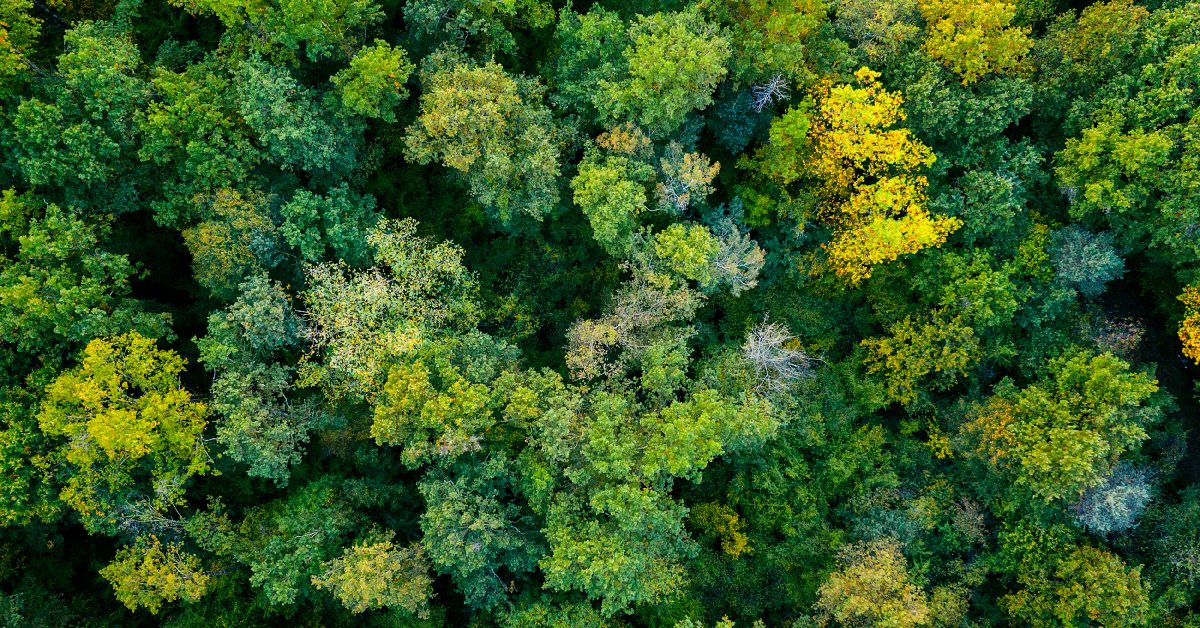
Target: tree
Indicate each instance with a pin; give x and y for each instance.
(195, 133)
(147, 574)
(674, 65)
(1115, 503)
(881, 29)
(652, 72)
(777, 361)
(292, 123)
(862, 175)
(975, 39)
(1123, 168)
(323, 28)
(722, 522)
(462, 23)
(1061, 436)
(374, 573)
(360, 320)
(125, 417)
(262, 423)
(373, 85)
(872, 589)
(339, 222)
(614, 531)
(769, 38)
(79, 131)
(238, 239)
(944, 347)
(1189, 328)
(58, 287)
(474, 530)
(17, 36)
(493, 129)
(1085, 586)
(294, 545)
(1086, 261)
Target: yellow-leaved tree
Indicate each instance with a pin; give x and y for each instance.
(867, 178)
(130, 428)
(149, 574)
(862, 174)
(974, 38)
(1189, 329)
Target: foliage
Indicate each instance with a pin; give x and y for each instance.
(1115, 503)
(321, 28)
(634, 313)
(148, 575)
(652, 72)
(58, 288)
(373, 85)
(238, 240)
(359, 320)
(1189, 329)
(975, 39)
(124, 414)
(722, 522)
(1060, 436)
(872, 588)
(1086, 261)
(374, 575)
(339, 221)
(492, 128)
(1089, 584)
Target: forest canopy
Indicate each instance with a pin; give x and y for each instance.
(607, 313)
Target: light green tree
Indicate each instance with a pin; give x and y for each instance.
(373, 85)
(1061, 435)
(149, 574)
(375, 573)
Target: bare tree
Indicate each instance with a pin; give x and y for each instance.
(777, 363)
(766, 94)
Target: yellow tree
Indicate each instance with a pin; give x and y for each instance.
(974, 38)
(125, 416)
(862, 174)
(872, 589)
(1189, 329)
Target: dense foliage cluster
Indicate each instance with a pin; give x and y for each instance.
(615, 313)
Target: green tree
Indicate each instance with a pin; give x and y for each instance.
(79, 130)
(194, 132)
(476, 23)
(1062, 435)
(262, 422)
(58, 287)
(373, 84)
(473, 528)
(323, 29)
(652, 72)
(1086, 587)
(338, 222)
(18, 33)
(493, 129)
(293, 124)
